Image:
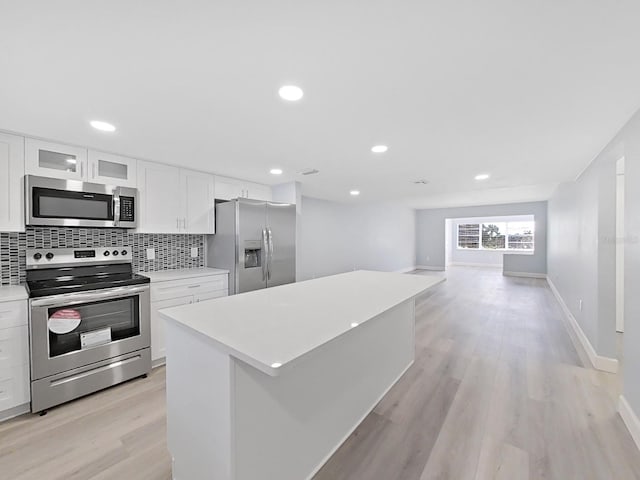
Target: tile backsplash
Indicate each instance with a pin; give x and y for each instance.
(171, 251)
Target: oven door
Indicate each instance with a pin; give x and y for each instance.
(77, 329)
(70, 203)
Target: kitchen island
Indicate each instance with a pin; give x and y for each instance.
(268, 384)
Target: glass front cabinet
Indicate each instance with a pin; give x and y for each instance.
(54, 160)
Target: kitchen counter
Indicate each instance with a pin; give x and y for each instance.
(271, 328)
(268, 384)
(180, 274)
(10, 293)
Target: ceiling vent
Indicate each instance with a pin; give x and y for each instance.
(309, 171)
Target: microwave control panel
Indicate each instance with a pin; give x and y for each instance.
(127, 211)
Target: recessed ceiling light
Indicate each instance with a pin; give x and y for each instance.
(354, 192)
(379, 148)
(291, 93)
(482, 176)
(354, 325)
(276, 365)
(275, 171)
(102, 126)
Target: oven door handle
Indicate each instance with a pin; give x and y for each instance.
(69, 299)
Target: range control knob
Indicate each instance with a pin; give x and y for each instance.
(115, 253)
(49, 256)
(37, 256)
(106, 253)
(123, 252)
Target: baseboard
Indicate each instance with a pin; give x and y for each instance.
(406, 270)
(524, 274)
(430, 267)
(630, 419)
(471, 264)
(158, 362)
(14, 412)
(599, 362)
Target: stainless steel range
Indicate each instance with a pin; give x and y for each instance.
(88, 322)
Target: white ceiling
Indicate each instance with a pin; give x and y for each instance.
(529, 92)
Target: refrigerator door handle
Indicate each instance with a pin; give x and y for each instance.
(265, 254)
(269, 266)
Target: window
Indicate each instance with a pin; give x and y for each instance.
(497, 236)
(468, 235)
(520, 235)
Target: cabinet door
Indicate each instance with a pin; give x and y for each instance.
(198, 203)
(158, 198)
(158, 347)
(11, 183)
(14, 386)
(228, 188)
(55, 160)
(257, 191)
(112, 169)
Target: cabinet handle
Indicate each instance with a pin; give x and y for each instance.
(177, 223)
(193, 286)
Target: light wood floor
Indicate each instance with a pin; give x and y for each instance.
(498, 391)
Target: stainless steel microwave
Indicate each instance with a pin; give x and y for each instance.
(71, 203)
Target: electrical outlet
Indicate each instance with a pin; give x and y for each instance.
(151, 253)
(194, 252)
(580, 304)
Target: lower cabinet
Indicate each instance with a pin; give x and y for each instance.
(14, 357)
(176, 293)
(157, 326)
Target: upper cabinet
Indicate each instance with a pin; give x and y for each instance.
(111, 169)
(47, 159)
(197, 201)
(158, 187)
(175, 200)
(11, 183)
(230, 188)
(54, 160)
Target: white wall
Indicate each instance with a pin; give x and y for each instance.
(340, 237)
(582, 251)
(430, 234)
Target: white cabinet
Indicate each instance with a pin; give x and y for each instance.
(11, 183)
(14, 355)
(174, 293)
(257, 191)
(158, 198)
(111, 169)
(197, 202)
(174, 200)
(55, 160)
(230, 188)
(48, 159)
(157, 326)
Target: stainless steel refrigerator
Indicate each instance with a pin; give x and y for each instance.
(256, 242)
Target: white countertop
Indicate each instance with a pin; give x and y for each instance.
(269, 329)
(168, 275)
(9, 293)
